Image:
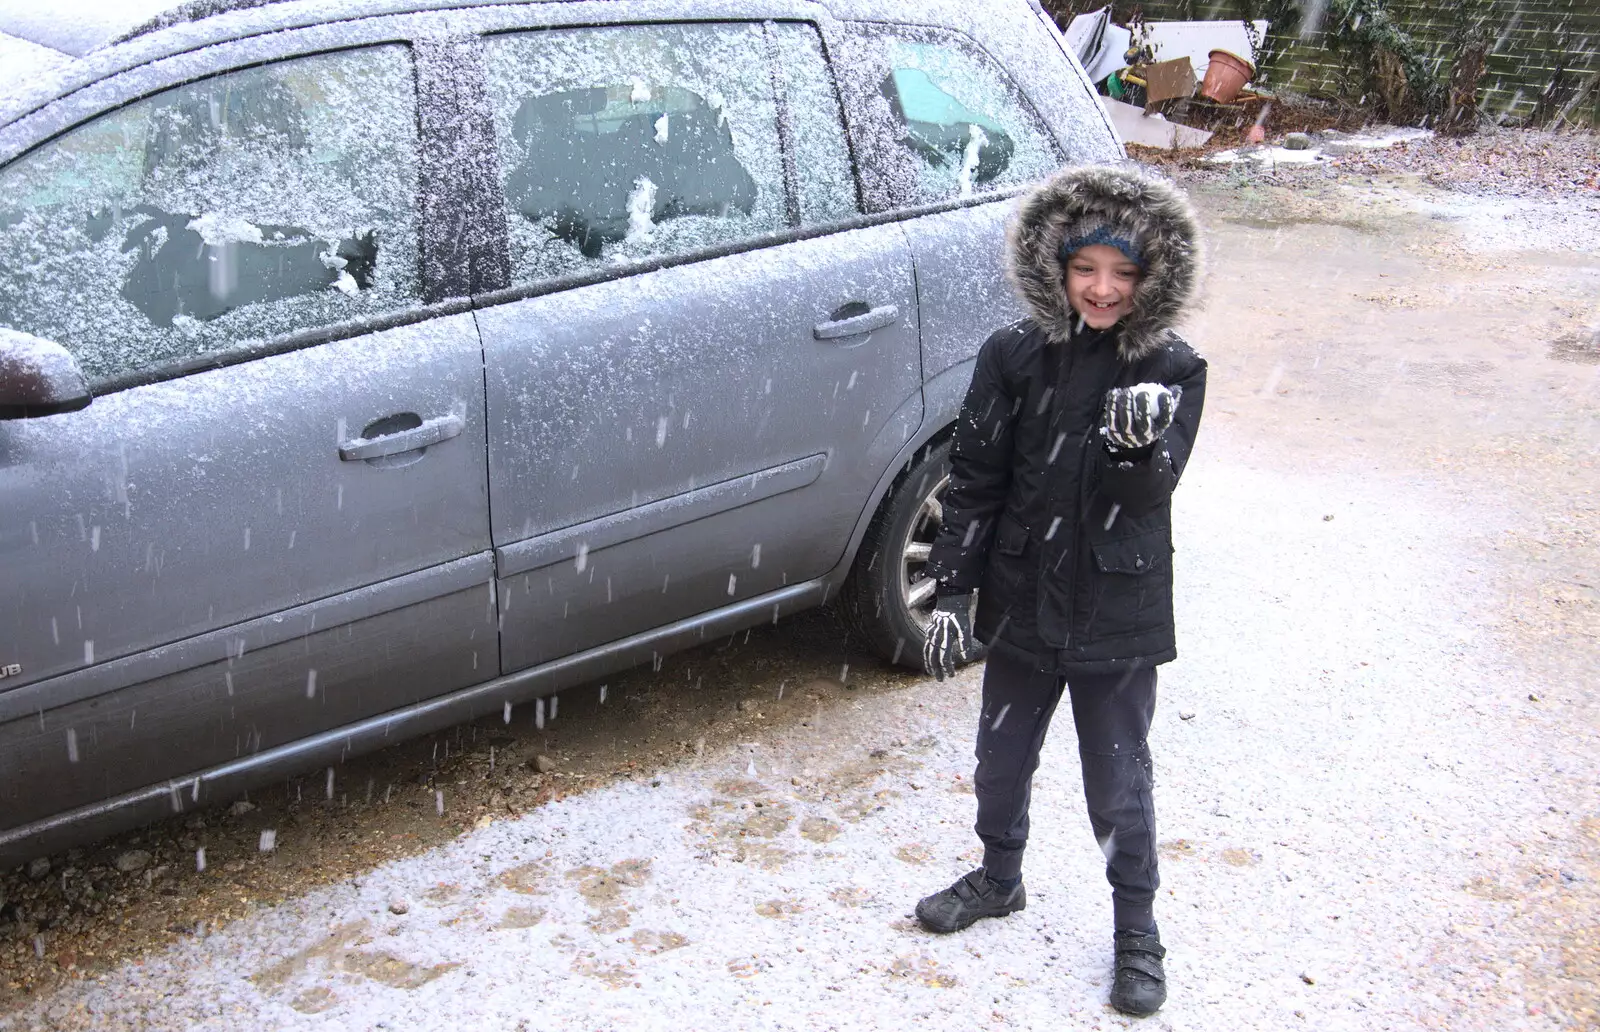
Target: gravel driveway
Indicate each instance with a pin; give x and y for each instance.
(1341, 814)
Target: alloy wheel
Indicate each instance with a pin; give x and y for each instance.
(916, 587)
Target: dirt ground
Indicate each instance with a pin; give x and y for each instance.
(1356, 322)
(1365, 321)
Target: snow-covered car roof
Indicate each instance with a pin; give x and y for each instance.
(76, 27)
(50, 50)
(23, 59)
(28, 74)
(79, 27)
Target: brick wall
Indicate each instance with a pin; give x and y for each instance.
(1531, 41)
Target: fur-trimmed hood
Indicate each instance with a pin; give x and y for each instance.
(1137, 206)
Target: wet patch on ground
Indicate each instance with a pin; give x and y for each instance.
(1581, 345)
(339, 954)
(521, 917)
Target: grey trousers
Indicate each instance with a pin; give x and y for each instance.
(1112, 713)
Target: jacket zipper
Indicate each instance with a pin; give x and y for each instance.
(1083, 496)
(1063, 374)
(1077, 529)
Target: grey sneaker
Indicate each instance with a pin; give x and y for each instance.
(970, 898)
(1139, 985)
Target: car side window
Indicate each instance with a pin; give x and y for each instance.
(618, 144)
(226, 211)
(937, 118)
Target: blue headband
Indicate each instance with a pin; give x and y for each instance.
(1101, 235)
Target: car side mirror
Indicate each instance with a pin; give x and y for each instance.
(38, 377)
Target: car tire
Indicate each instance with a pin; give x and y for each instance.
(888, 599)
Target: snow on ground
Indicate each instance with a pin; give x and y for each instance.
(1269, 157)
(1489, 224)
(1335, 748)
(1503, 190)
(1329, 144)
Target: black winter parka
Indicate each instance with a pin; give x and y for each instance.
(1069, 542)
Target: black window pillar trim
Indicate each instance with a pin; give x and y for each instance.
(786, 144)
(846, 115)
(465, 242)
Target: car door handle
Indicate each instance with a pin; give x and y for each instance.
(432, 431)
(868, 321)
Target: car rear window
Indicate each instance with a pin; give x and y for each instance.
(937, 118)
(233, 209)
(618, 144)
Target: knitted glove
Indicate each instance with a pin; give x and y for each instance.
(1137, 416)
(949, 634)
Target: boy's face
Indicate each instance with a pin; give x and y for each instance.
(1100, 284)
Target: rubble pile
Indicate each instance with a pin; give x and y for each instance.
(1180, 92)
(1503, 162)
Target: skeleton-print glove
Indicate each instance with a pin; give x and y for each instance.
(949, 634)
(1137, 416)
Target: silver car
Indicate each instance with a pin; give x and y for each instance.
(369, 366)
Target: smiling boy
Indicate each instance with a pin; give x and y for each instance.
(1071, 439)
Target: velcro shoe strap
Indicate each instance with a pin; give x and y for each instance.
(1142, 953)
(1143, 963)
(971, 887)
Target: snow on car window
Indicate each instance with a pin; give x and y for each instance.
(827, 188)
(230, 210)
(939, 118)
(621, 143)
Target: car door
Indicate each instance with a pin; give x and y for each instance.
(701, 370)
(272, 519)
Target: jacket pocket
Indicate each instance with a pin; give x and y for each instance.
(1135, 555)
(1132, 594)
(1008, 599)
(1011, 537)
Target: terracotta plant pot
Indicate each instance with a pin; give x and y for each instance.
(1225, 76)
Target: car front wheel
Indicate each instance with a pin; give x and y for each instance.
(888, 598)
